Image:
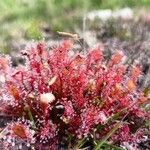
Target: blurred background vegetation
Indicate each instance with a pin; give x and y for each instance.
(27, 18)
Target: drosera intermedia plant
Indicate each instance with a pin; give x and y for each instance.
(58, 100)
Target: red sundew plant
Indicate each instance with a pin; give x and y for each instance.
(57, 100)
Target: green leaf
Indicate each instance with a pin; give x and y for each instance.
(30, 116)
(113, 146)
(147, 123)
(109, 134)
(147, 91)
(147, 108)
(3, 132)
(80, 143)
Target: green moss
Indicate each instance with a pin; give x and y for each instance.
(32, 31)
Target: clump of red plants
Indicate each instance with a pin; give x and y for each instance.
(57, 100)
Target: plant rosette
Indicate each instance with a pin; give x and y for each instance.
(83, 101)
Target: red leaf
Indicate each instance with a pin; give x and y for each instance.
(19, 131)
(14, 91)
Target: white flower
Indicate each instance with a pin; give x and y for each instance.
(47, 98)
(2, 78)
